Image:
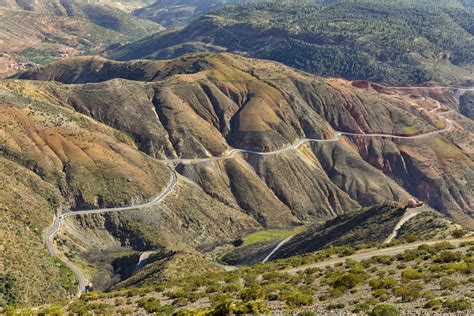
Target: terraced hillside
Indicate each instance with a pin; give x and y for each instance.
(394, 42)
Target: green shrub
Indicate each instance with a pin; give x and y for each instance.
(408, 292)
(252, 293)
(346, 280)
(52, 310)
(448, 284)
(458, 233)
(297, 299)
(457, 305)
(150, 304)
(213, 288)
(232, 287)
(442, 246)
(229, 307)
(381, 294)
(410, 237)
(331, 307)
(411, 274)
(428, 295)
(252, 308)
(385, 283)
(78, 307)
(385, 259)
(434, 304)
(345, 251)
(385, 310)
(119, 301)
(8, 292)
(447, 257)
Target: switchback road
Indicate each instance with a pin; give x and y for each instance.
(57, 221)
(409, 214)
(337, 135)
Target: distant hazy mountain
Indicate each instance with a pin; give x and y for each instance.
(171, 13)
(40, 31)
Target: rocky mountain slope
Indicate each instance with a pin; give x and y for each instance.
(40, 31)
(234, 102)
(402, 42)
(91, 130)
(369, 226)
(54, 158)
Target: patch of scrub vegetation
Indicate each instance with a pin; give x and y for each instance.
(37, 56)
(270, 234)
(418, 278)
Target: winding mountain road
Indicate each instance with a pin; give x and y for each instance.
(337, 135)
(58, 220)
(456, 88)
(49, 234)
(280, 244)
(409, 214)
(143, 259)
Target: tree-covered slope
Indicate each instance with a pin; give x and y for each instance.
(405, 41)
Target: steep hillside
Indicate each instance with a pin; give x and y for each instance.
(204, 105)
(54, 158)
(85, 141)
(466, 105)
(369, 226)
(396, 42)
(171, 13)
(41, 31)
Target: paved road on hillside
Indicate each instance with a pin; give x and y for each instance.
(391, 251)
(409, 214)
(58, 220)
(142, 260)
(281, 243)
(337, 135)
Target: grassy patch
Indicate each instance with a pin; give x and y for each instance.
(270, 234)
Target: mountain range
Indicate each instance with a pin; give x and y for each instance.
(236, 157)
(396, 42)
